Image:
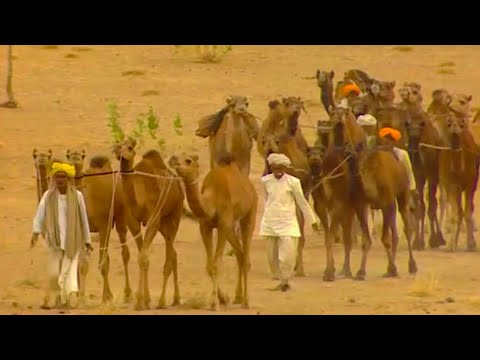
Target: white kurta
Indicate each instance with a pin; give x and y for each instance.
(404, 158)
(279, 217)
(60, 266)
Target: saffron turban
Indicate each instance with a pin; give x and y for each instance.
(395, 134)
(278, 159)
(63, 167)
(347, 89)
(366, 120)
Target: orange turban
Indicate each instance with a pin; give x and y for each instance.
(347, 89)
(395, 134)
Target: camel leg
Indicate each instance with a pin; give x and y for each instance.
(143, 295)
(374, 227)
(455, 197)
(216, 264)
(329, 273)
(169, 228)
(366, 241)
(104, 264)
(419, 241)
(248, 227)
(402, 201)
(388, 215)
(436, 236)
(347, 222)
(83, 267)
(121, 227)
(394, 233)
(207, 237)
(469, 206)
(299, 270)
(234, 241)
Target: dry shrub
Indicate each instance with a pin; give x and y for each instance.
(206, 53)
(446, 71)
(403, 48)
(447, 64)
(29, 283)
(133, 73)
(71, 56)
(425, 286)
(150, 93)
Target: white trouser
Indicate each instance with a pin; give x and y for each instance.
(281, 252)
(65, 271)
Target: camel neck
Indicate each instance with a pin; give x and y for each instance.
(326, 95)
(193, 198)
(42, 179)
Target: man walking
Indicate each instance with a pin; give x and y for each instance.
(62, 219)
(279, 223)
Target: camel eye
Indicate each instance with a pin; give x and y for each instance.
(246, 104)
(130, 148)
(188, 161)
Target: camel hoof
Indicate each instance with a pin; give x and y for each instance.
(300, 273)
(214, 306)
(433, 242)
(329, 276)
(245, 306)
(238, 300)
(161, 304)
(139, 306)
(347, 274)
(107, 298)
(391, 274)
(177, 302)
(223, 298)
(412, 267)
(360, 275)
(471, 246)
(127, 295)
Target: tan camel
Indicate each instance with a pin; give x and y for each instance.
(232, 130)
(440, 100)
(459, 169)
(476, 118)
(227, 197)
(42, 162)
(156, 202)
(96, 183)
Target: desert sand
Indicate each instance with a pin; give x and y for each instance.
(63, 95)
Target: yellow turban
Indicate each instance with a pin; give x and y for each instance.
(395, 134)
(63, 167)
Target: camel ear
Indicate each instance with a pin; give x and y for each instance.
(392, 83)
(449, 99)
(284, 100)
(132, 141)
(229, 99)
(83, 153)
(50, 154)
(332, 74)
(318, 74)
(173, 161)
(195, 158)
(469, 98)
(68, 154)
(34, 153)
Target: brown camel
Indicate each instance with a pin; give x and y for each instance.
(232, 130)
(459, 168)
(42, 162)
(360, 78)
(156, 201)
(476, 117)
(96, 183)
(355, 180)
(325, 83)
(227, 197)
(440, 100)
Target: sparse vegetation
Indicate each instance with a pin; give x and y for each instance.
(446, 71)
(133, 73)
(447, 64)
(403, 48)
(150, 93)
(82, 49)
(29, 283)
(424, 286)
(206, 53)
(50, 47)
(71, 56)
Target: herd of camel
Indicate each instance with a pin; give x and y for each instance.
(345, 180)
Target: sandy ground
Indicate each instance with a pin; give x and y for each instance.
(63, 104)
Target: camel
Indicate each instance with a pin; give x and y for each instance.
(283, 116)
(325, 83)
(359, 77)
(96, 183)
(440, 100)
(476, 117)
(157, 202)
(355, 180)
(459, 169)
(231, 130)
(42, 161)
(227, 197)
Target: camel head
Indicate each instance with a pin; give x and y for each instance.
(125, 149)
(76, 157)
(410, 93)
(460, 104)
(414, 127)
(339, 114)
(186, 166)
(455, 126)
(238, 104)
(359, 105)
(324, 127)
(42, 158)
(383, 89)
(441, 97)
(293, 106)
(324, 78)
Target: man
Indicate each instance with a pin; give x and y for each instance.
(347, 92)
(62, 219)
(390, 138)
(279, 223)
(369, 125)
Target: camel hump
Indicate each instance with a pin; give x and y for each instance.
(99, 162)
(209, 125)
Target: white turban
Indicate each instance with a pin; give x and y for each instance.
(343, 104)
(278, 159)
(366, 120)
